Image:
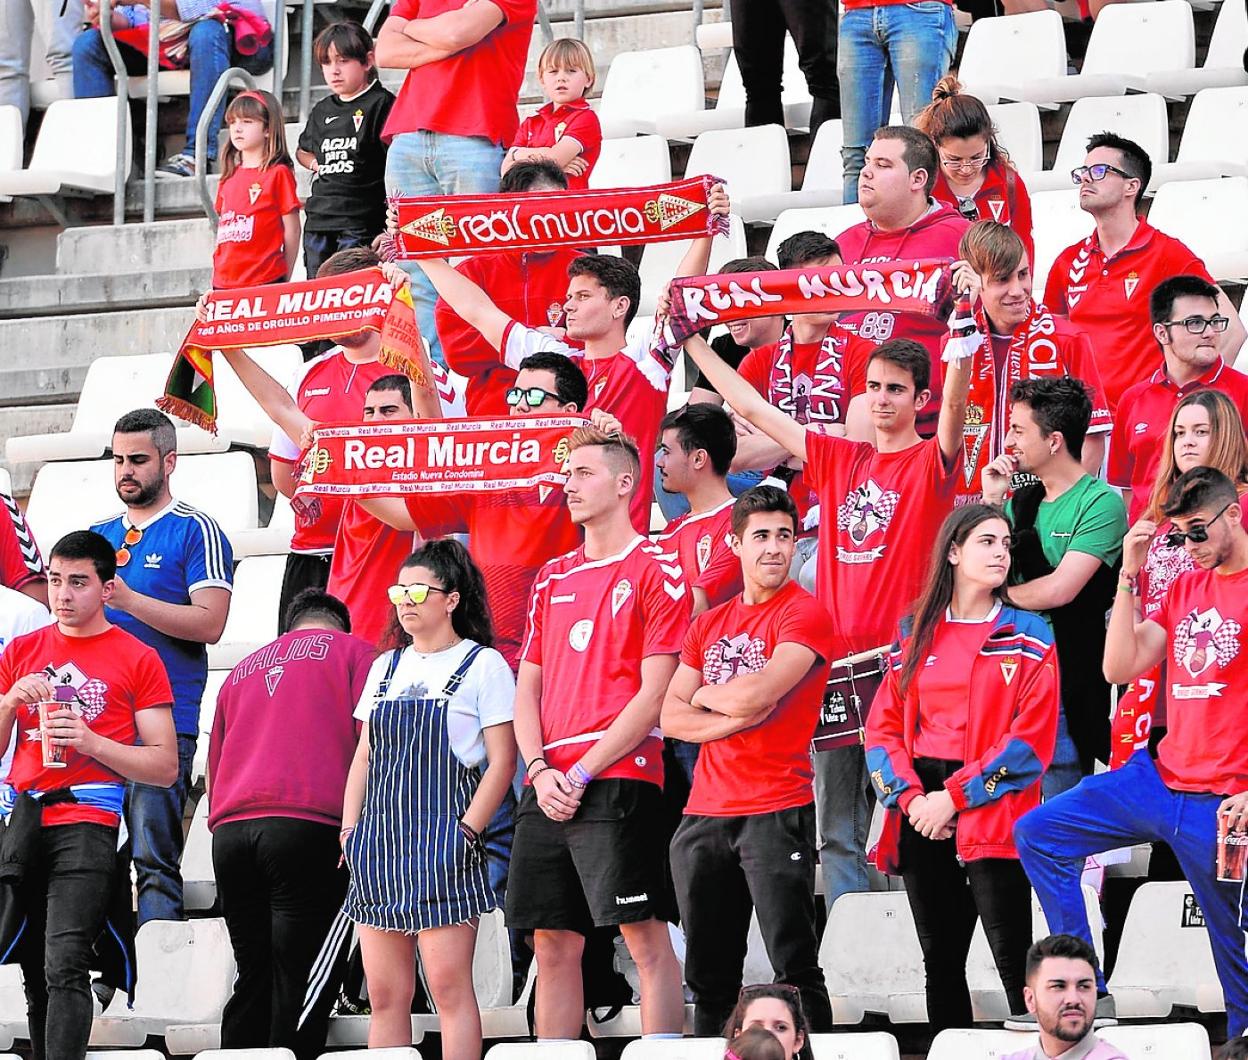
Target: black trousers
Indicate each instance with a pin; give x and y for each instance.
(758, 28)
(66, 900)
(281, 890)
(724, 868)
(946, 896)
(303, 571)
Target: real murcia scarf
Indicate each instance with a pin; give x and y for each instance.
(699, 302)
(819, 398)
(436, 456)
(454, 225)
(297, 312)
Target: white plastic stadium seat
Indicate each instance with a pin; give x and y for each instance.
(207, 712)
(874, 1045)
(1164, 956)
(831, 220)
(272, 539)
(632, 162)
(245, 1054)
(674, 1049)
(199, 881)
(1171, 1041)
(541, 1051)
(714, 36)
(75, 153)
(979, 1045)
(752, 162)
(1211, 217)
(823, 184)
(395, 1053)
(1141, 118)
(644, 87)
(1224, 61)
(869, 953)
(187, 968)
(1002, 54)
(10, 141)
(1205, 149)
(1058, 223)
(659, 260)
(1018, 132)
(12, 1006)
(252, 621)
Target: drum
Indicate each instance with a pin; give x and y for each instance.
(852, 684)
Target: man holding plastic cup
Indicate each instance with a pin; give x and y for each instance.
(111, 722)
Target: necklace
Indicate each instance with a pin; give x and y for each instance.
(438, 651)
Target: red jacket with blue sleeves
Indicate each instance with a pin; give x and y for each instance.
(1010, 731)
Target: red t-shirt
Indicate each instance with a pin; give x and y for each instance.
(1143, 419)
(550, 125)
(880, 513)
(943, 685)
(590, 625)
(511, 534)
(766, 767)
(1109, 300)
(20, 562)
(996, 200)
(105, 679)
(474, 91)
(368, 555)
(328, 389)
(702, 544)
(1206, 743)
(251, 240)
(934, 235)
(529, 287)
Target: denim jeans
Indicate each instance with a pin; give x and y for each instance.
(60, 27)
(1063, 772)
(318, 246)
(909, 45)
(66, 901)
(154, 817)
(845, 800)
(432, 163)
(211, 55)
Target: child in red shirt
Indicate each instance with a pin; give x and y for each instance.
(258, 231)
(565, 131)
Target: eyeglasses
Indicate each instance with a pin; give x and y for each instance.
(1096, 172)
(133, 536)
(530, 395)
(416, 593)
(1197, 535)
(967, 164)
(1197, 325)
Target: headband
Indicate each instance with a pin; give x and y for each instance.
(250, 94)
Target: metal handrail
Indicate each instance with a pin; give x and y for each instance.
(374, 13)
(123, 103)
(149, 117)
(305, 63)
(234, 73)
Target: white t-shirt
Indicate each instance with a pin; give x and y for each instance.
(486, 697)
(19, 615)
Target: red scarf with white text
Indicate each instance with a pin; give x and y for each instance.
(819, 398)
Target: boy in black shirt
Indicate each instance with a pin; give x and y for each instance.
(342, 146)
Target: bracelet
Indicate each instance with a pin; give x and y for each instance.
(469, 833)
(578, 776)
(536, 758)
(343, 832)
(537, 773)
(1127, 583)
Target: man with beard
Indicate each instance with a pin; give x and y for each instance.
(175, 573)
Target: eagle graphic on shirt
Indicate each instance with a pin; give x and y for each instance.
(730, 657)
(1204, 638)
(867, 510)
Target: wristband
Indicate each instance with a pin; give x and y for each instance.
(536, 758)
(537, 773)
(1127, 583)
(470, 833)
(578, 776)
(344, 832)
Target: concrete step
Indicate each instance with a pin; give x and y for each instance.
(51, 354)
(101, 292)
(30, 419)
(135, 248)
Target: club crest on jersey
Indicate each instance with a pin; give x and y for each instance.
(598, 386)
(553, 312)
(580, 634)
(704, 551)
(1129, 284)
(620, 594)
(358, 119)
(1205, 638)
(1009, 667)
(272, 677)
(997, 206)
(253, 193)
(560, 129)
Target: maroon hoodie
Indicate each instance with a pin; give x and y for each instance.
(934, 235)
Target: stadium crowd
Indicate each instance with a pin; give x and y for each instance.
(894, 539)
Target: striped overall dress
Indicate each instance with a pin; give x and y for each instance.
(411, 867)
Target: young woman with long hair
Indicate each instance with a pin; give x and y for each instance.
(958, 738)
(773, 1007)
(435, 760)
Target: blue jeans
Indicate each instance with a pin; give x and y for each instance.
(1064, 771)
(910, 45)
(211, 55)
(431, 163)
(154, 817)
(846, 800)
(674, 504)
(1118, 809)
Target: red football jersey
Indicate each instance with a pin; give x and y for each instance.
(1109, 300)
(1142, 421)
(548, 126)
(368, 556)
(251, 241)
(1206, 743)
(590, 625)
(105, 679)
(1002, 198)
(702, 544)
(766, 767)
(943, 684)
(880, 513)
(20, 562)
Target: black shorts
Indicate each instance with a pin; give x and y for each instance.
(606, 866)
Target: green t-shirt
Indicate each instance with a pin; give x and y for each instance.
(1089, 517)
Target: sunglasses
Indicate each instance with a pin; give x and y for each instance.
(1197, 535)
(133, 536)
(1197, 325)
(531, 396)
(756, 990)
(1096, 172)
(416, 593)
